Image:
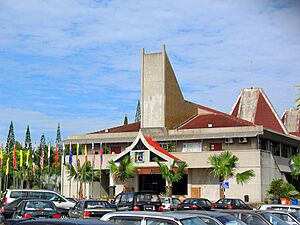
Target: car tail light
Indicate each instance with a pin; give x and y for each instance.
(213, 206)
(2, 209)
(229, 207)
(136, 208)
(86, 214)
(5, 201)
(179, 207)
(26, 215)
(57, 215)
(160, 209)
(194, 207)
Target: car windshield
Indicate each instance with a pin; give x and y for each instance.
(96, 204)
(192, 221)
(39, 205)
(273, 219)
(166, 200)
(146, 197)
(230, 220)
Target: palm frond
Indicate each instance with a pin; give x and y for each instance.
(244, 177)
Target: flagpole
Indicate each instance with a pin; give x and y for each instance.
(49, 153)
(100, 178)
(71, 164)
(93, 161)
(86, 161)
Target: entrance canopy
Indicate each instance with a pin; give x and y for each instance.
(143, 152)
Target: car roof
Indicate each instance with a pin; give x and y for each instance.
(172, 215)
(199, 212)
(280, 205)
(62, 221)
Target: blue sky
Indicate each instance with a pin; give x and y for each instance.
(78, 62)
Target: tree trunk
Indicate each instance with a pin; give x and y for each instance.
(80, 191)
(169, 189)
(222, 193)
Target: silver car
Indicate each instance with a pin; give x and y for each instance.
(151, 218)
(170, 203)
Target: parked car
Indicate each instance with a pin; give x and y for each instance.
(288, 217)
(9, 209)
(290, 208)
(56, 222)
(275, 220)
(36, 209)
(153, 218)
(90, 209)
(72, 199)
(60, 201)
(137, 201)
(195, 204)
(214, 218)
(170, 203)
(230, 203)
(250, 217)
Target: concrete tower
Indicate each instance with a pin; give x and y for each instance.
(162, 102)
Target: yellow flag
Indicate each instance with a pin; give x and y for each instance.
(21, 158)
(7, 166)
(77, 152)
(27, 158)
(85, 154)
(1, 157)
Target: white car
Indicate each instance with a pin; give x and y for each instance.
(169, 203)
(151, 218)
(290, 208)
(59, 201)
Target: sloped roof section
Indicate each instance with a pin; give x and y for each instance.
(254, 106)
(132, 127)
(159, 148)
(215, 118)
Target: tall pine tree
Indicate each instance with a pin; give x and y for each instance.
(10, 142)
(138, 112)
(28, 144)
(58, 137)
(125, 120)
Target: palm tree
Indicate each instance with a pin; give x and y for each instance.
(123, 171)
(295, 166)
(82, 173)
(171, 174)
(224, 167)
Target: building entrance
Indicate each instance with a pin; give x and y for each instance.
(155, 182)
(152, 182)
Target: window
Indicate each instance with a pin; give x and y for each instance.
(193, 221)
(36, 194)
(52, 197)
(18, 194)
(252, 219)
(208, 221)
(284, 150)
(154, 221)
(275, 149)
(127, 198)
(192, 147)
(126, 220)
(117, 200)
(169, 146)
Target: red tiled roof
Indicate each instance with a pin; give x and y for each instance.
(159, 148)
(236, 108)
(265, 116)
(132, 127)
(295, 133)
(217, 119)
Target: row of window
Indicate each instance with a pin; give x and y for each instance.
(277, 148)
